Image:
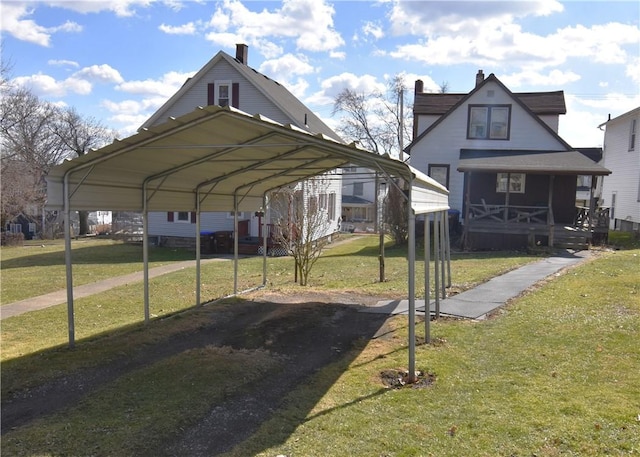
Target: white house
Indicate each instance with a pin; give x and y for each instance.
(500, 156)
(358, 197)
(229, 81)
(621, 190)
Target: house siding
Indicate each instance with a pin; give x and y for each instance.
(251, 100)
(624, 164)
(442, 145)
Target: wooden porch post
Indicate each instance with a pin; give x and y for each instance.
(467, 210)
(506, 198)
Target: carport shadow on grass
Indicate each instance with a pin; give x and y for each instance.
(106, 254)
(304, 337)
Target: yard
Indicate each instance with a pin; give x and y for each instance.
(298, 372)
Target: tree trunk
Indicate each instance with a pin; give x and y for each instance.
(83, 217)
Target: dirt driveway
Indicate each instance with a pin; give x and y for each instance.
(309, 331)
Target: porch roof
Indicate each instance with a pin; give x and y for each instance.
(529, 161)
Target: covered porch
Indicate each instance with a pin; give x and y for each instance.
(522, 199)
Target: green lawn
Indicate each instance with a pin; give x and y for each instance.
(555, 373)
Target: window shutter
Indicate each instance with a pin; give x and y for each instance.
(170, 216)
(211, 94)
(235, 95)
(193, 217)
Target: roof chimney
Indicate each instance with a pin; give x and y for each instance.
(419, 87)
(479, 78)
(242, 53)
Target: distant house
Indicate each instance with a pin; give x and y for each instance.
(621, 189)
(229, 81)
(511, 177)
(358, 198)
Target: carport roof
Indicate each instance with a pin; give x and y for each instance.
(210, 155)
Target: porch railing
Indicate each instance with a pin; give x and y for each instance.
(509, 214)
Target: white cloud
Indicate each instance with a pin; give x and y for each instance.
(122, 8)
(579, 126)
(164, 87)
(309, 22)
(14, 22)
(47, 86)
(556, 78)
(100, 73)
(184, 29)
(488, 34)
(286, 66)
(462, 17)
(332, 86)
(633, 71)
(285, 69)
(63, 63)
(371, 29)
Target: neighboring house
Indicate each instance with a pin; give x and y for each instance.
(510, 175)
(358, 198)
(621, 190)
(229, 81)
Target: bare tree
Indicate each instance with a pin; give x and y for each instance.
(28, 150)
(379, 123)
(303, 218)
(78, 136)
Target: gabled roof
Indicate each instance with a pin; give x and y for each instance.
(520, 101)
(297, 111)
(538, 102)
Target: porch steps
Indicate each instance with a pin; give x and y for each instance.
(571, 239)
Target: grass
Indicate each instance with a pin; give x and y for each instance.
(555, 373)
(37, 269)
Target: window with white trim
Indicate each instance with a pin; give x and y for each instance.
(632, 135)
(223, 93)
(489, 122)
(183, 216)
(512, 181)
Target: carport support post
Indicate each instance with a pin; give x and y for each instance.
(447, 247)
(145, 255)
(443, 252)
(265, 228)
(411, 378)
(198, 247)
(67, 259)
(427, 258)
(235, 243)
(436, 260)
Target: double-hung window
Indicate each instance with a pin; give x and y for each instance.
(489, 122)
(223, 93)
(512, 181)
(632, 135)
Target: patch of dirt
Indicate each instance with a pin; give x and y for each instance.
(397, 379)
(306, 330)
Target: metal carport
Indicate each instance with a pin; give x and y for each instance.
(218, 159)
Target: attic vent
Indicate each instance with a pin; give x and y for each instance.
(491, 93)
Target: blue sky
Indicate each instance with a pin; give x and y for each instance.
(118, 61)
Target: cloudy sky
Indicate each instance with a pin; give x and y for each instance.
(119, 60)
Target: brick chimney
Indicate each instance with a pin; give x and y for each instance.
(419, 87)
(242, 53)
(479, 78)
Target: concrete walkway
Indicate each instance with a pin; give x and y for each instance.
(476, 303)
(60, 296)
